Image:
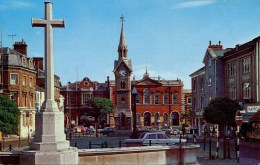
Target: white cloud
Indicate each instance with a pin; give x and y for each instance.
(193, 4)
(14, 4)
(21, 4)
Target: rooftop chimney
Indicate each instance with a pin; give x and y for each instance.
(21, 47)
(215, 47)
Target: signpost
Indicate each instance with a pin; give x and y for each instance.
(239, 121)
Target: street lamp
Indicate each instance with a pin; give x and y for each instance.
(134, 93)
(28, 125)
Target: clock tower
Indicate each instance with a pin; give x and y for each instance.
(122, 71)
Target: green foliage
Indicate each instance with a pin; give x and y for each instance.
(9, 116)
(98, 107)
(221, 111)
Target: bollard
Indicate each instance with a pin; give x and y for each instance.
(180, 140)
(120, 144)
(195, 140)
(217, 146)
(204, 142)
(209, 148)
(76, 145)
(180, 150)
(237, 150)
(236, 147)
(89, 145)
(224, 148)
(105, 144)
(102, 145)
(10, 147)
(19, 145)
(150, 142)
(228, 147)
(1, 146)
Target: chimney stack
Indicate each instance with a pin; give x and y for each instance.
(21, 47)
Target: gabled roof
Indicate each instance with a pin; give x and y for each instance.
(198, 72)
(147, 81)
(126, 62)
(213, 53)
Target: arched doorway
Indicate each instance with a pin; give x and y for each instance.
(175, 118)
(122, 119)
(147, 119)
(165, 119)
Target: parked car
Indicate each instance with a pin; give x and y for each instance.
(107, 130)
(155, 138)
(77, 129)
(90, 131)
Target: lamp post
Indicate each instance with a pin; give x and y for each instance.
(134, 93)
(28, 125)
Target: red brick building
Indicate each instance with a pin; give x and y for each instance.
(18, 81)
(76, 95)
(159, 102)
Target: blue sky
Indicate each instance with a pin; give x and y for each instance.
(170, 37)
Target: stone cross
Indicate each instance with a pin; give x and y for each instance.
(48, 23)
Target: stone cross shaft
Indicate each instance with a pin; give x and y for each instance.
(48, 23)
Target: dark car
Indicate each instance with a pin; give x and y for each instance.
(107, 130)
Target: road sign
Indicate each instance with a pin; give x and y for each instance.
(239, 118)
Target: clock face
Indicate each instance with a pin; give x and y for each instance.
(122, 73)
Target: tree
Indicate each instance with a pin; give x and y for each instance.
(9, 116)
(98, 108)
(221, 111)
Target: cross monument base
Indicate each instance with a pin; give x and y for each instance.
(49, 145)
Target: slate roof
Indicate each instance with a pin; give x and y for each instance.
(14, 58)
(198, 72)
(214, 53)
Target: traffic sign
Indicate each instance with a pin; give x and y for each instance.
(239, 118)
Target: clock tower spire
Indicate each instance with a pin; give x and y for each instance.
(122, 47)
(122, 71)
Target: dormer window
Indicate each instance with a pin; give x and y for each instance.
(30, 63)
(23, 61)
(86, 83)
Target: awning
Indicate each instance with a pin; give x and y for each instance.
(256, 117)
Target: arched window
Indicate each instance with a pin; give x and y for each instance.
(147, 119)
(156, 117)
(175, 118)
(147, 94)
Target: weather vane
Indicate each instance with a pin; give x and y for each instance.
(122, 20)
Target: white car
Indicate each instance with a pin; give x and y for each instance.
(153, 138)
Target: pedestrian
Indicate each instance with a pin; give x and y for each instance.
(214, 131)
